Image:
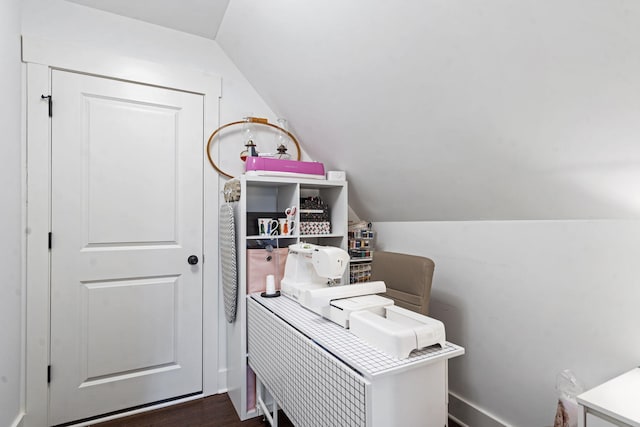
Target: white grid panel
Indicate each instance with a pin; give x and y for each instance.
(312, 387)
(347, 347)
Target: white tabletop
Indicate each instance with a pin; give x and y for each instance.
(618, 398)
(356, 353)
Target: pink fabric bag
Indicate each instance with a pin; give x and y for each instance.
(261, 263)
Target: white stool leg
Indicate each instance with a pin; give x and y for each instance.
(271, 418)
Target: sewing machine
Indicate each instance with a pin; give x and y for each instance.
(312, 278)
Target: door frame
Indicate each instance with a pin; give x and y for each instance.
(41, 56)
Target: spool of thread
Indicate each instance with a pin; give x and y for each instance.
(271, 284)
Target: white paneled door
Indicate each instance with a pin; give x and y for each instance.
(126, 221)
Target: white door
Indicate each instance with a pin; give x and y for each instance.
(126, 197)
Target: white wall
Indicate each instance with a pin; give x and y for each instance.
(493, 109)
(489, 110)
(481, 100)
(92, 29)
(84, 26)
(528, 299)
(480, 110)
(69, 22)
(11, 213)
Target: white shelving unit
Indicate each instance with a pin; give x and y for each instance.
(273, 194)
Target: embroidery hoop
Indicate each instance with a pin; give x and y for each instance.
(254, 120)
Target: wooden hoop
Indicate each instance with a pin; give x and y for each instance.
(256, 120)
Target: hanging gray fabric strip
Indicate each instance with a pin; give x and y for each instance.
(229, 261)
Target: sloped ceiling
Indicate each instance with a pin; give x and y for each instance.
(199, 17)
(454, 110)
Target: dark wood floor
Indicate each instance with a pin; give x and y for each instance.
(214, 411)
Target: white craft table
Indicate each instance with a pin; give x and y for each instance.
(322, 375)
(616, 401)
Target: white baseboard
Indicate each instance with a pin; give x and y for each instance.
(222, 381)
(468, 414)
(18, 422)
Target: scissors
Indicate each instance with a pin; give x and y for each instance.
(290, 211)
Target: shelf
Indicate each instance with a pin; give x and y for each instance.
(271, 181)
(358, 260)
(314, 236)
(305, 236)
(270, 237)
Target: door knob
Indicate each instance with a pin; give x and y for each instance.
(193, 260)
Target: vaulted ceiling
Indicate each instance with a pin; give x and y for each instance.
(445, 110)
(199, 17)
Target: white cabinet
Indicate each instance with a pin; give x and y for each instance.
(273, 195)
(322, 375)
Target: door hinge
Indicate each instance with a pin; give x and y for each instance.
(50, 103)
(49, 374)
(50, 240)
